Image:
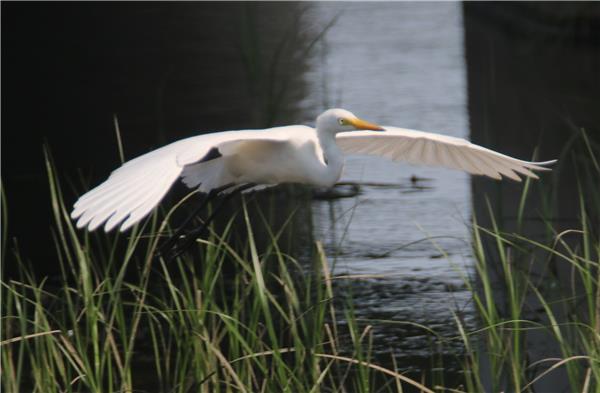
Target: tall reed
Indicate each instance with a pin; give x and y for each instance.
(529, 290)
(251, 318)
(119, 318)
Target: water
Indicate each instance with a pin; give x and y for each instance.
(398, 64)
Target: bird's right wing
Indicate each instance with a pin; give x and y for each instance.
(134, 189)
(425, 148)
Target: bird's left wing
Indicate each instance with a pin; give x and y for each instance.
(425, 148)
(134, 189)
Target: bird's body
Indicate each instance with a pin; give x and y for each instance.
(290, 154)
(277, 155)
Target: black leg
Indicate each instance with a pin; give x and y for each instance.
(175, 237)
(190, 238)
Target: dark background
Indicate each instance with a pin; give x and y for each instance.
(164, 69)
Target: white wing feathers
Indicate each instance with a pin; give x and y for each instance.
(130, 192)
(134, 189)
(424, 148)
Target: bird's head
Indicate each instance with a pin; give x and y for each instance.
(340, 120)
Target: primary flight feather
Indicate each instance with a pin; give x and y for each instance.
(297, 154)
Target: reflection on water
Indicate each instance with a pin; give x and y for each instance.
(399, 64)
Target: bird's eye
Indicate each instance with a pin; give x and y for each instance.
(342, 122)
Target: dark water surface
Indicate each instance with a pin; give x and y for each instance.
(400, 64)
(534, 80)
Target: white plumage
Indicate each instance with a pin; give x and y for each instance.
(425, 148)
(277, 155)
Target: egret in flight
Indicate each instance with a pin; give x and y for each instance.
(250, 159)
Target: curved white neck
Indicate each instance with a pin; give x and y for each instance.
(332, 157)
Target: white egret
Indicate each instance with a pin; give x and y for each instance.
(297, 153)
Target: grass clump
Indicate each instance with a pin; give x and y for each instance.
(119, 318)
(537, 295)
(253, 319)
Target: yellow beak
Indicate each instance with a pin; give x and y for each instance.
(365, 125)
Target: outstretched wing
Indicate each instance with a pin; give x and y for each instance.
(134, 189)
(425, 148)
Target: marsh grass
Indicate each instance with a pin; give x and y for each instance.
(120, 318)
(544, 286)
(246, 319)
